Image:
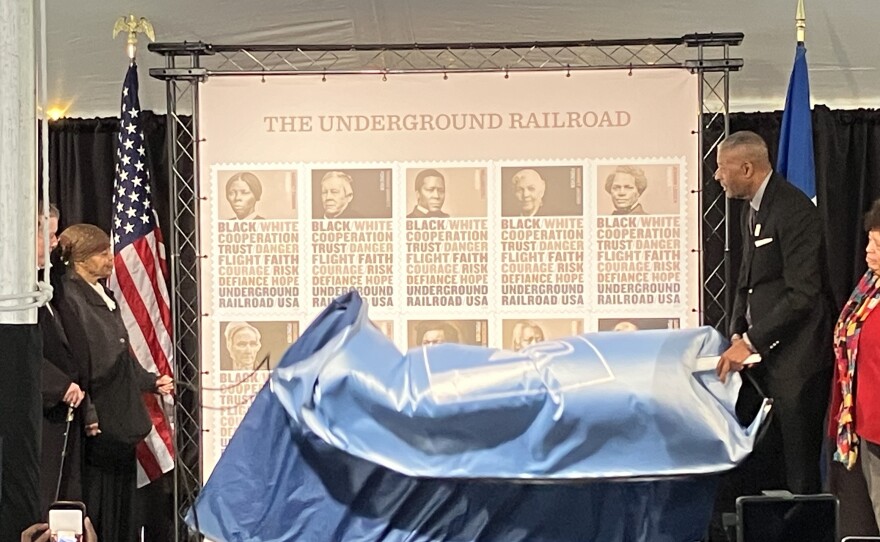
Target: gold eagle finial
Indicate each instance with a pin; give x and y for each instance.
(133, 27)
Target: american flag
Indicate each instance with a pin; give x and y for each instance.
(138, 278)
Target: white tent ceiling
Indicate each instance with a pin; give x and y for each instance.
(85, 67)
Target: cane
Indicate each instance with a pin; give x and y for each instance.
(64, 451)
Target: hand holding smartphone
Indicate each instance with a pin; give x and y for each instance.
(67, 521)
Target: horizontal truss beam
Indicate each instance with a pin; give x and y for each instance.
(289, 59)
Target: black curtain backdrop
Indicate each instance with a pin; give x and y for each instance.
(82, 154)
(847, 154)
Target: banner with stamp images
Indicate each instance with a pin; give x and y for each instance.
(472, 209)
(521, 333)
(447, 249)
(255, 239)
(386, 327)
(458, 331)
(542, 235)
(247, 350)
(641, 238)
(352, 239)
(636, 324)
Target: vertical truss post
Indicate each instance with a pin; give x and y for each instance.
(715, 207)
(186, 304)
(714, 64)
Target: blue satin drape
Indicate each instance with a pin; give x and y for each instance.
(353, 441)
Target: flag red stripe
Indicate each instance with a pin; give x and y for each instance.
(149, 254)
(145, 249)
(148, 461)
(150, 453)
(131, 260)
(135, 303)
(159, 421)
(160, 251)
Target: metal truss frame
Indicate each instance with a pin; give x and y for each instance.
(189, 63)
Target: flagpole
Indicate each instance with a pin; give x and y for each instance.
(796, 161)
(801, 22)
(139, 268)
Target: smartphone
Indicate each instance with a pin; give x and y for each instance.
(66, 521)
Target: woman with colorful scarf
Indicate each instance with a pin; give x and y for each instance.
(855, 401)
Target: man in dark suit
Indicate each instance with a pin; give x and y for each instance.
(61, 390)
(431, 195)
(782, 311)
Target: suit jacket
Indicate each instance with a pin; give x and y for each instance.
(59, 370)
(637, 209)
(783, 281)
(348, 212)
(418, 213)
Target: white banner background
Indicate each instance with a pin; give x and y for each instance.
(600, 271)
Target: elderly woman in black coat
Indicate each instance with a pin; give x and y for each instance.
(116, 418)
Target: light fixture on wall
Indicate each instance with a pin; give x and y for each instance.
(55, 112)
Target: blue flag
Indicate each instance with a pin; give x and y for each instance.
(795, 160)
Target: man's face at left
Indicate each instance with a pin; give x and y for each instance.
(53, 239)
(624, 193)
(432, 194)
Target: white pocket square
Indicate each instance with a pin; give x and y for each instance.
(762, 242)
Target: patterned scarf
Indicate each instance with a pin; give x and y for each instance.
(846, 351)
